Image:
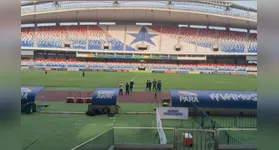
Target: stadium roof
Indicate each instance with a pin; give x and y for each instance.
(219, 3)
(190, 13)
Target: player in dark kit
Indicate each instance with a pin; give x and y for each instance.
(159, 84)
(149, 85)
(83, 73)
(154, 85)
(131, 86)
(121, 88)
(146, 85)
(127, 89)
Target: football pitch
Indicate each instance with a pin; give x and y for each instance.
(74, 80)
(64, 131)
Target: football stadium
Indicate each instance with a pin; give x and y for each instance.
(130, 75)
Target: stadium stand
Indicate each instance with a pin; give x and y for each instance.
(27, 62)
(206, 38)
(251, 68)
(51, 37)
(189, 35)
(252, 43)
(96, 65)
(94, 37)
(39, 62)
(240, 68)
(189, 67)
(232, 42)
(27, 36)
(73, 63)
(161, 66)
(225, 67)
(78, 36)
(122, 65)
(55, 62)
(206, 67)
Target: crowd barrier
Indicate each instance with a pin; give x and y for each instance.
(133, 137)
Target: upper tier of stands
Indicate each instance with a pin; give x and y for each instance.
(115, 65)
(96, 37)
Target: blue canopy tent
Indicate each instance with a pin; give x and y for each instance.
(104, 101)
(214, 99)
(28, 97)
(216, 102)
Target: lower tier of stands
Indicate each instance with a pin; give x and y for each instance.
(63, 63)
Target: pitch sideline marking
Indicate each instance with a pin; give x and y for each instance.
(135, 76)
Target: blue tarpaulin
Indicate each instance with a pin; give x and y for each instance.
(105, 96)
(214, 99)
(28, 93)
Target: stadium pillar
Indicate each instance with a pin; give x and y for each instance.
(227, 28)
(35, 6)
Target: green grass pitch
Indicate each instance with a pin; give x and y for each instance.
(62, 132)
(73, 80)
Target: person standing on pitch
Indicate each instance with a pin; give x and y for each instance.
(154, 85)
(131, 86)
(121, 88)
(147, 85)
(127, 88)
(45, 71)
(83, 73)
(159, 84)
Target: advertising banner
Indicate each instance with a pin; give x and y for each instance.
(194, 72)
(170, 72)
(180, 113)
(158, 71)
(182, 72)
(105, 96)
(61, 69)
(28, 93)
(160, 130)
(214, 99)
(109, 70)
(74, 69)
(84, 69)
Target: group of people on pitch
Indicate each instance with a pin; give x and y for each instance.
(156, 85)
(128, 87)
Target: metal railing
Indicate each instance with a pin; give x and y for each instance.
(214, 122)
(202, 139)
(236, 136)
(102, 141)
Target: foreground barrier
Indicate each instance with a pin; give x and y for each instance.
(145, 138)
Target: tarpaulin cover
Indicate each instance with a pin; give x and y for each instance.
(105, 96)
(214, 99)
(28, 93)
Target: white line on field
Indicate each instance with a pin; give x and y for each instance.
(135, 76)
